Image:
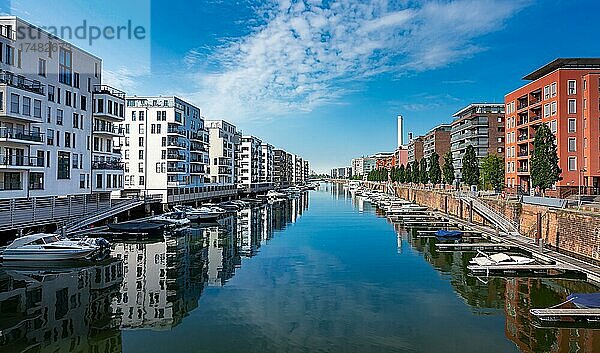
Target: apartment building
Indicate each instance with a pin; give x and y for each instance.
(107, 137)
(480, 125)
(363, 166)
(341, 173)
(267, 170)
(224, 140)
(306, 170)
(165, 147)
(437, 140)
(250, 164)
(385, 160)
(298, 170)
(282, 168)
(415, 149)
(564, 95)
(45, 114)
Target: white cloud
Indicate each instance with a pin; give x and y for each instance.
(307, 54)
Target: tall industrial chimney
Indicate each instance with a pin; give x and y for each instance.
(400, 137)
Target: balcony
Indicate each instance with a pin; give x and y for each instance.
(175, 129)
(177, 156)
(13, 160)
(534, 118)
(107, 165)
(522, 154)
(180, 169)
(523, 169)
(197, 137)
(106, 89)
(20, 82)
(176, 144)
(198, 148)
(108, 130)
(23, 136)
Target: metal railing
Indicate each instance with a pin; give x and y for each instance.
(24, 135)
(107, 165)
(106, 89)
(14, 160)
(21, 82)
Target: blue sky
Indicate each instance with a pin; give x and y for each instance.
(326, 79)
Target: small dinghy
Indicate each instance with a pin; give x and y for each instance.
(448, 234)
(499, 259)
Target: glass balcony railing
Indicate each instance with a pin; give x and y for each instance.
(13, 160)
(107, 165)
(24, 135)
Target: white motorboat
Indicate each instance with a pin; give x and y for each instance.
(175, 219)
(48, 247)
(272, 194)
(201, 214)
(499, 259)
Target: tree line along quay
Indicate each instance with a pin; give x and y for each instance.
(534, 158)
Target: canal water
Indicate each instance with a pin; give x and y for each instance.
(324, 272)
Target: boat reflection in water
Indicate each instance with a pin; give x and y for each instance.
(145, 285)
(63, 309)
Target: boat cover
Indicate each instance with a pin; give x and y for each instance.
(442, 233)
(587, 300)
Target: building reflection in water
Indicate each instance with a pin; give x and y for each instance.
(60, 309)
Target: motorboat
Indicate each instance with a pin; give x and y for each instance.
(272, 194)
(173, 219)
(138, 227)
(202, 214)
(49, 247)
(500, 259)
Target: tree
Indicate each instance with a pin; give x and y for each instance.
(424, 177)
(470, 169)
(492, 172)
(401, 174)
(435, 173)
(448, 169)
(544, 170)
(408, 173)
(416, 175)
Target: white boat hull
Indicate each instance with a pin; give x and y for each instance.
(45, 255)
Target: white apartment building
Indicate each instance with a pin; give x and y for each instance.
(107, 137)
(250, 164)
(165, 147)
(298, 170)
(306, 170)
(363, 166)
(268, 160)
(45, 114)
(224, 140)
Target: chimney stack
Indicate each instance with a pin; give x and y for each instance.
(400, 132)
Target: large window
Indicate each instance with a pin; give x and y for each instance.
(572, 144)
(65, 66)
(64, 165)
(14, 103)
(37, 108)
(11, 181)
(26, 106)
(36, 181)
(572, 125)
(571, 86)
(572, 163)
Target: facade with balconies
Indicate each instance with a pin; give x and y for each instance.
(250, 165)
(224, 140)
(282, 168)
(108, 135)
(562, 94)
(45, 114)
(480, 125)
(165, 148)
(267, 170)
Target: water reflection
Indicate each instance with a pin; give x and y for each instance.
(512, 297)
(146, 285)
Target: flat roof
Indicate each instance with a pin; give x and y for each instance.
(564, 63)
(475, 105)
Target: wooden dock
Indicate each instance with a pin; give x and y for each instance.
(557, 314)
(474, 246)
(518, 268)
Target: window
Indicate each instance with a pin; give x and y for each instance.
(553, 108)
(59, 116)
(158, 167)
(572, 144)
(141, 154)
(572, 125)
(546, 110)
(141, 180)
(68, 98)
(572, 106)
(75, 120)
(126, 154)
(553, 126)
(546, 92)
(51, 93)
(163, 141)
(100, 105)
(141, 128)
(127, 141)
(553, 89)
(141, 115)
(571, 87)
(14, 103)
(82, 181)
(50, 137)
(42, 67)
(572, 163)
(133, 116)
(99, 181)
(67, 139)
(64, 66)
(76, 80)
(141, 142)
(37, 108)
(158, 128)
(141, 167)
(153, 128)
(126, 128)
(75, 161)
(83, 103)
(26, 106)
(64, 164)
(163, 154)
(36, 181)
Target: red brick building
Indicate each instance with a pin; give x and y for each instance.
(564, 95)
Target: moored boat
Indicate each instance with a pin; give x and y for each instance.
(48, 247)
(500, 259)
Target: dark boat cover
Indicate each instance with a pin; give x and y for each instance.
(136, 227)
(585, 300)
(442, 233)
